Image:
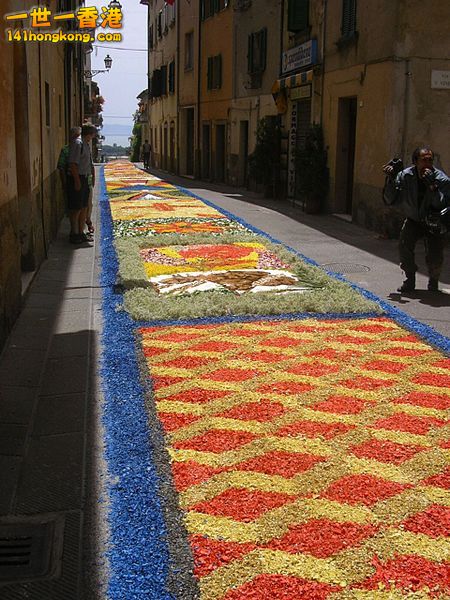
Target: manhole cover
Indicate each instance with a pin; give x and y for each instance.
(26, 550)
(345, 268)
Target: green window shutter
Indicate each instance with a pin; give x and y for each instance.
(172, 77)
(164, 80)
(263, 49)
(250, 54)
(209, 72)
(298, 15)
(219, 71)
(215, 6)
(202, 8)
(348, 17)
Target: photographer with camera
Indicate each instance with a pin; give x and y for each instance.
(422, 193)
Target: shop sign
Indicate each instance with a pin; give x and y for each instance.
(300, 93)
(440, 80)
(292, 146)
(300, 57)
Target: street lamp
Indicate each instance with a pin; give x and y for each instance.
(89, 73)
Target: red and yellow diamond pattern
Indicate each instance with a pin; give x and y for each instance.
(310, 456)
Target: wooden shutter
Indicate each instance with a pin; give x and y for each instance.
(263, 49)
(218, 72)
(348, 17)
(164, 80)
(156, 83)
(250, 54)
(298, 15)
(210, 72)
(172, 77)
(160, 23)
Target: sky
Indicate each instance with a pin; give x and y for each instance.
(128, 75)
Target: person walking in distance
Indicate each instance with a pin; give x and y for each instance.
(80, 167)
(419, 190)
(146, 151)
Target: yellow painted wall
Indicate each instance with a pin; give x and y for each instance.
(31, 199)
(163, 110)
(217, 38)
(388, 69)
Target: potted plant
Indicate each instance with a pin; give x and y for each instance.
(312, 177)
(264, 162)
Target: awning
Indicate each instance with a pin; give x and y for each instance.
(292, 81)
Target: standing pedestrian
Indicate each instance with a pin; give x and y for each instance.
(81, 167)
(146, 152)
(418, 190)
(63, 160)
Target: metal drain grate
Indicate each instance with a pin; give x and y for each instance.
(345, 268)
(25, 550)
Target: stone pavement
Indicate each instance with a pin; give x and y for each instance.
(48, 420)
(50, 401)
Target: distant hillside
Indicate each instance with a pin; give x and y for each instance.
(115, 150)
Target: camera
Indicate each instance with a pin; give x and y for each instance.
(438, 222)
(397, 165)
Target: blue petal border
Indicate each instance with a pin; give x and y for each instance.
(138, 557)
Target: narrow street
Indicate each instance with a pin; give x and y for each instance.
(224, 300)
(237, 455)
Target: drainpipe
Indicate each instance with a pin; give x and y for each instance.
(281, 38)
(41, 173)
(199, 87)
(406, 104)
(149, 121)
(324, 35)
(177, 90)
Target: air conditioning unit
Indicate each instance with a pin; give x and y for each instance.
(242, 5)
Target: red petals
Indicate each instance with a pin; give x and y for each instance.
(362, 489)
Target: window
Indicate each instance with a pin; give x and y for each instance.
(172, 77)
(214, 74)
(155, 87)
(257, 51)
(209, 7)
(163, 14)
(164, 80)
(298, 15)
(189, 51)
(47, 104)
(171, 13)
(150, 37)
(159, 24)
(348, 27)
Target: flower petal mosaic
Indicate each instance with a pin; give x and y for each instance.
(289, 456)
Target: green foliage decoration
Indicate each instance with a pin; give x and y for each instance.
(312, 176)
(136, 143)
(265, 158)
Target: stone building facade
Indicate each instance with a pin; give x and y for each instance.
(374, 74)
(41, 98)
